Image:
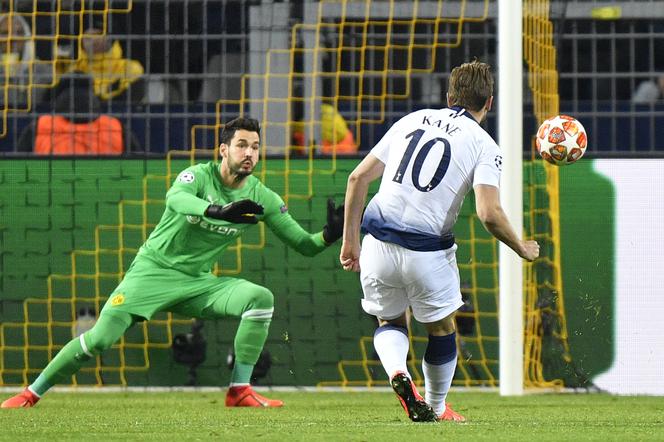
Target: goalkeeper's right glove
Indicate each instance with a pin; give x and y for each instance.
(239, 212)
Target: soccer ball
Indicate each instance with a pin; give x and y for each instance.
(561, 140)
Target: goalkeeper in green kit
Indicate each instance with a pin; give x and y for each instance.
(207, 208)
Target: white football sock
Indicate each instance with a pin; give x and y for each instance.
(392, 345)
(437, 382)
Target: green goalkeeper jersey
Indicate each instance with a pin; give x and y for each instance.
(187, 240)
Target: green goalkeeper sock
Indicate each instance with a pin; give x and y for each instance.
(108, 329)
(67, 362)
(241, 373)
(249, 341)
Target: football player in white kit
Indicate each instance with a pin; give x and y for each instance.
(428, 160)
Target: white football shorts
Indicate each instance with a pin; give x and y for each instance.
(394, 278)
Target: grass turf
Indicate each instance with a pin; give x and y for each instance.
(351, 416)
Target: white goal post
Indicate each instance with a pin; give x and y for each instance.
(510, 140)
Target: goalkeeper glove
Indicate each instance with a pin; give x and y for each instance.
(334, 228)
(239, 212)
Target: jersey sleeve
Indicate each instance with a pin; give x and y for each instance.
(183, 198)
(287, 229)
(489, 166)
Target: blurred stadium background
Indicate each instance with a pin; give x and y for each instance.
(70, 225)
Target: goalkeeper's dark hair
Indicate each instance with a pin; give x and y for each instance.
(470, 85)
(239, 123)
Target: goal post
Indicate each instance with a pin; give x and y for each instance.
(510, 122)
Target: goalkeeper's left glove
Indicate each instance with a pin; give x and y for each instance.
(334, 228)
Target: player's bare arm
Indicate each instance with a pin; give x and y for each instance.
(367, 171)
(494, 219)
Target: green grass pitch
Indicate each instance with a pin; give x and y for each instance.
(332, 416)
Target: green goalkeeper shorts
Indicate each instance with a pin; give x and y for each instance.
(148, 288)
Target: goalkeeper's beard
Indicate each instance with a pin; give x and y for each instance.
(238, 171)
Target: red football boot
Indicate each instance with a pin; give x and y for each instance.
(451, 415)
(245, 396)
(25, 399)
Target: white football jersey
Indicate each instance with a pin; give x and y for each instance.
(432, 158)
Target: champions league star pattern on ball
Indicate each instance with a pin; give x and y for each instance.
(561, 140)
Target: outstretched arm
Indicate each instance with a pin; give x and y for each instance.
(292, 234)
(490, 212)
(367, 171)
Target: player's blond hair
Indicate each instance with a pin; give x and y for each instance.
(470, 85)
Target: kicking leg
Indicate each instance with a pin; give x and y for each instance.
(108, 329)
(391, 343)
